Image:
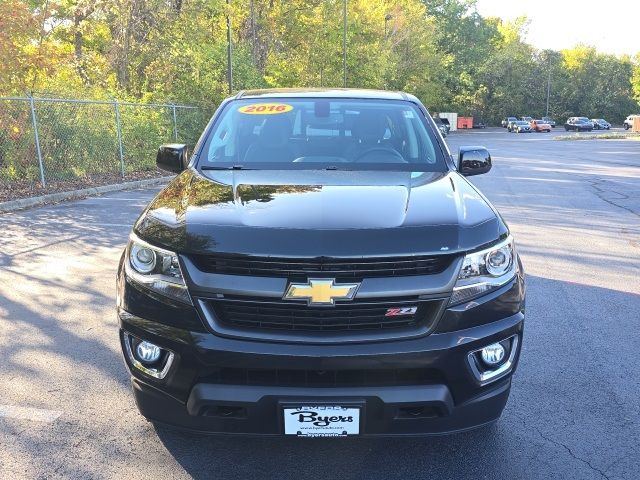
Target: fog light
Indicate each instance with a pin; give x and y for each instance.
(147, 357)
(493, 354)
(494, 361)
(150, 353)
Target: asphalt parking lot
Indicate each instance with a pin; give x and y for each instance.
(574, 208)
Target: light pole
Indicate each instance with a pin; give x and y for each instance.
(344, 43)
(229, 64)
(387, 17)
(253, 33)
(548, 85)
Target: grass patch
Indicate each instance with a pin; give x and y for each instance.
(600, 136)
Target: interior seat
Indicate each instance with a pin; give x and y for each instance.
(368, 131)
(273, 144)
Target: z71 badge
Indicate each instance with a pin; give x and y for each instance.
(395, 312)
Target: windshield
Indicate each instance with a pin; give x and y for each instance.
(351, 134)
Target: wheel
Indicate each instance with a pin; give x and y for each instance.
(626, 126)
(548, 130)
(566, 128)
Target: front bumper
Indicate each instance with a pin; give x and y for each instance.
(387, 411)
(195, 395)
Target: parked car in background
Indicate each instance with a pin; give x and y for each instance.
(540, 126)
(628, 122)
(578, 124)
(506, 121)
(526, 119)
(478, 123)
(520, 126)
(441, 126)
(550, 121)
(446, 123)
(600, 124)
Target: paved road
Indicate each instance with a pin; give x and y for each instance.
(574, 207)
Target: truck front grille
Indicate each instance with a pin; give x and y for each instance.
(321, 267)
(354, 316)
(324, 378)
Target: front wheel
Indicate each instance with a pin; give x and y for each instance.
(566, 128)
(626, 126)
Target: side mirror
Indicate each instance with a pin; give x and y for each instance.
(473, 161)
(172, 157)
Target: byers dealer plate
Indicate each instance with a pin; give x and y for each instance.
(322, 421)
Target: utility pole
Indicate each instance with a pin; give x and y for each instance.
(229, 63)
(253, 34)
(548, 85)
(344, 42)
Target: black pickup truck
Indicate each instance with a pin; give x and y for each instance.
(321, 266)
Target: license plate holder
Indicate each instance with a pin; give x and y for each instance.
(322, 419)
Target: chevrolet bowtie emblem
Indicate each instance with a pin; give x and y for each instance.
(321, 291)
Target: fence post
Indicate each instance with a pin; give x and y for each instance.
(37, 139)
(119, 134)
(175, 124)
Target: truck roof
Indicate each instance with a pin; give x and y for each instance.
(325, 93)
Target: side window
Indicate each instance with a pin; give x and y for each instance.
(412, 148)
(297, 124)
(222, 144)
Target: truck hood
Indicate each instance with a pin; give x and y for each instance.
(319, 213)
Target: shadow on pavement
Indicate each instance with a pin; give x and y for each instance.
(568, 415)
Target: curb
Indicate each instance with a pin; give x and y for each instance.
(23, 203)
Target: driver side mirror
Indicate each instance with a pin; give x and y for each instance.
(473, 161)
(172, 157)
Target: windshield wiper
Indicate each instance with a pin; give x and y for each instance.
(215, 167)
(333, 167)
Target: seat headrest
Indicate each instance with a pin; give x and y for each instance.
(275, 131)
(369, 126)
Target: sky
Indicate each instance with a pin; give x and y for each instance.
(612, 26)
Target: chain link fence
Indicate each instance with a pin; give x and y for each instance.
(50, 144)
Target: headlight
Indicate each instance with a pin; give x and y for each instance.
(155, 269)
(484, 271)
(143, 259)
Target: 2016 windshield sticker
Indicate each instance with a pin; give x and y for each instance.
(265, 108)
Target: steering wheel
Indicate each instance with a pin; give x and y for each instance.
(397, 158)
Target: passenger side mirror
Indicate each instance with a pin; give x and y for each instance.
(473, 161)
(172, 157)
